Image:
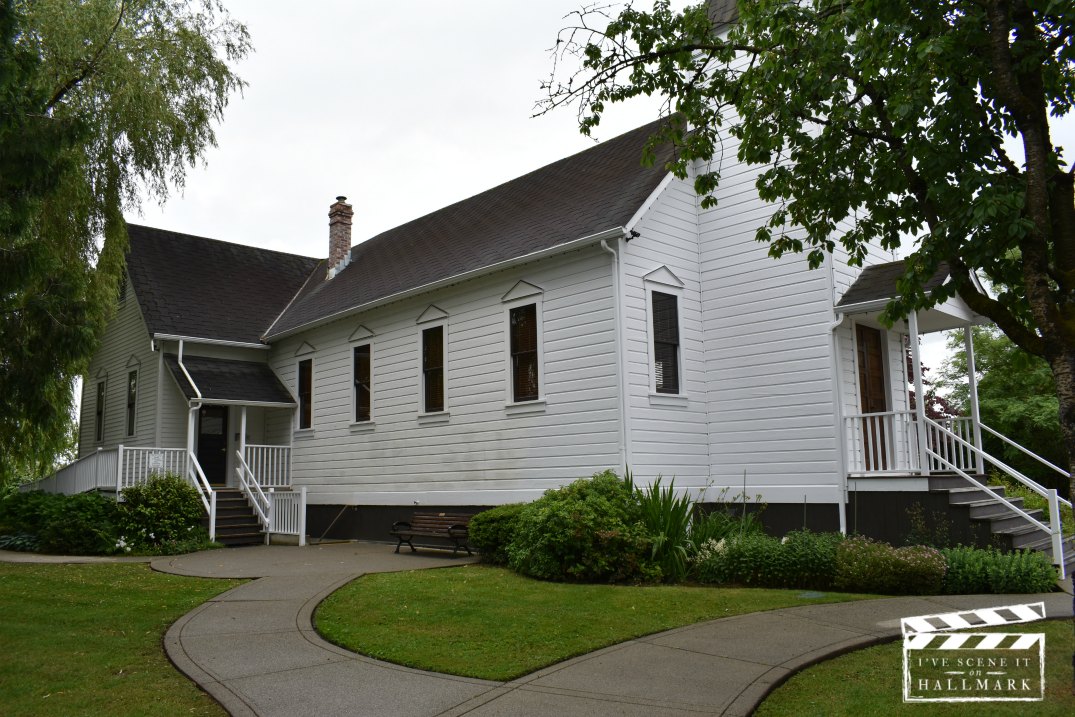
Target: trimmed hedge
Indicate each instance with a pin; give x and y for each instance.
(864, 565)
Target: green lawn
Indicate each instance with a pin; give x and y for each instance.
(870, 682)
(86, 640)
(480, 621)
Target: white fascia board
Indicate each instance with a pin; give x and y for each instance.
(214, 342)
(613, 233)
(648, 203)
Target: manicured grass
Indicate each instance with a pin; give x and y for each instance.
(870, 682)
(86, 640)
(480, 621)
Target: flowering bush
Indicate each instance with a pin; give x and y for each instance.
(864, 565)
(165, 510)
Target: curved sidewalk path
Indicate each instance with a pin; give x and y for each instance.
(254, 648)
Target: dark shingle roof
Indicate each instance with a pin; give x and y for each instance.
(227, 380)
(879, 282)
(595, 190)
(192, 286)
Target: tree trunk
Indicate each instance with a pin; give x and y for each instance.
(1063, 367)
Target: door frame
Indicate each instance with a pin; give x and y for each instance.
(226, 412)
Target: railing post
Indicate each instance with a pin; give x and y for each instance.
(212, 515)
(1057, 535)
(119, 468)
(270, 518)
(302, 516)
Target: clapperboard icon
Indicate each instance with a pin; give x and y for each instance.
(941, 665)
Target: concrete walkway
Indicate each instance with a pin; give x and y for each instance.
(254, 648)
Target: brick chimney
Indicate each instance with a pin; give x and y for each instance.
(339, 236)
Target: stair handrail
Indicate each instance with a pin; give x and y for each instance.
(205, 491)
(250, 487)
(1028, 482)
(1054, 528)
(1027, 451)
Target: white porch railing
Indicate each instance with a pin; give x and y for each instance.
(940, 435)
(197, 478)
(954, 446)
(882, 443)
(281, 512)
(271, 464)
(255, 496)
(97, 470)
(289, 512)
(137, 464)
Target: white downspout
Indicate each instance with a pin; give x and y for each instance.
(617, 301)
(841, 448)
(197, 393)
(838, 398)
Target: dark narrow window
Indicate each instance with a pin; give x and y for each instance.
(363, 392)
(524, 353)
(306, 381)
(132, 398)
(433, 369)
(99, 415)
(665, 342)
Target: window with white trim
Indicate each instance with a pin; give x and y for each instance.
(132, 401)
(306, 393)
(665, 331)
(433, 369)
(362, 375)
(524, 353)
(99, 412)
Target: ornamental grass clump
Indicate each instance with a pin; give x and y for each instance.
(588, 531)
(667, 520)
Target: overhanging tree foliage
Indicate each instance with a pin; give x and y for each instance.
(100, 101)
(873, 121)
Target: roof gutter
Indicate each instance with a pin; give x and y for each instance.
(613, 233)
(214, 342)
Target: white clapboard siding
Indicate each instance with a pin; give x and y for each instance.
(124, 347)
(484, 453)
(666, 440)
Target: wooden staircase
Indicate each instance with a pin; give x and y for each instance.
(1009, 530)
(236, 522)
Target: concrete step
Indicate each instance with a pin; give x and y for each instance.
(972, 494)
(944, 481)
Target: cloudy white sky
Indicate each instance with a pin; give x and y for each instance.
(403, 107)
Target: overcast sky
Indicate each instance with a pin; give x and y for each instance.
(402, 107)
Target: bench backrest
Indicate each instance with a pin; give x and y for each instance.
(438, 521)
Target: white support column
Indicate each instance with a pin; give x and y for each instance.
(242, 433)
(919, 403)
(191, 418)
(972, 386)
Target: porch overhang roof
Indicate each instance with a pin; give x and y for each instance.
(875, 287)
(226, 381)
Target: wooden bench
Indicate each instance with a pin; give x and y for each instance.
(449, 526)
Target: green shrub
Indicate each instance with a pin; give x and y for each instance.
(164, 510)
(741, 560)
(22, 542)
(589, 530)
(807, 560)
(667, 519)
(976, 570)
(491, 531)
(82, 524)
(864, 565)
(26, 512)
(726, 520)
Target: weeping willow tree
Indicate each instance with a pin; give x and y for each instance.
(102, 102)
